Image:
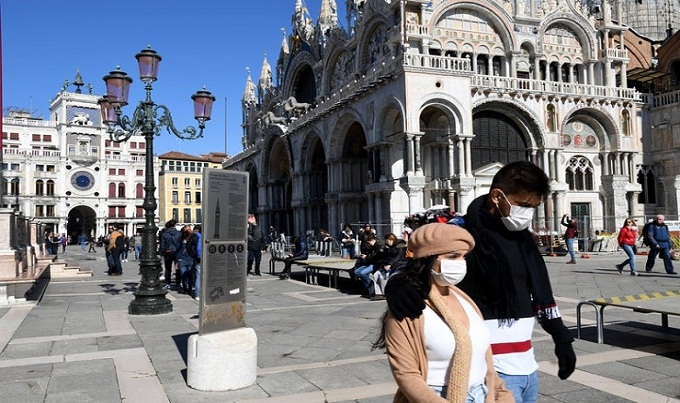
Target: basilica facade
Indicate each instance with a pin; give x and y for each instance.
(418, 103)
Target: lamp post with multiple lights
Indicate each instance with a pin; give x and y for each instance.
(148, 120)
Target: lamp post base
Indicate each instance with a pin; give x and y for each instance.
(150, 302)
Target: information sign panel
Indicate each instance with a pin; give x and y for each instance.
(225, 227)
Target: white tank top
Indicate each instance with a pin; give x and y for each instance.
(440, 346)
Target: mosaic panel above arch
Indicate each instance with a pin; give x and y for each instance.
(578, 134)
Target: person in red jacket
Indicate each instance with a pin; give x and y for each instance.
(627, 238)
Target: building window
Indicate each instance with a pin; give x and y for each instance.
(112, 171)
(187, 182)
(175, 196)
(112, 190)
(39, 211)
(133, 144)
(121, 190)
(187, 197)
(50, 188)
(112, 211)
(40, 168)
(140, 172)
(175, 214)
(51, 168)
(121, 211)
(198, 197)
(140, 212)
(647, 179)
(175, 182)
(50, 211)
(198, 215)
(579, 173)
(197, 182)
(39, 187)
(497, 139)
(187, 215)
(121, 172)
(139, 191)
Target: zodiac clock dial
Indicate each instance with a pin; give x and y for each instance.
(82, 180)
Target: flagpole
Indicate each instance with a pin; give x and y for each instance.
(226, 135)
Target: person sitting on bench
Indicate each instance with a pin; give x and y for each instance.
(300, 252)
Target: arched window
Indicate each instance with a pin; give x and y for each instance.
(579, 173)
(39, 187)
(497, 139)
(121, 190)
(50, 188)
(625, 122)
(645, 177)
(112, 190)
(139, 193)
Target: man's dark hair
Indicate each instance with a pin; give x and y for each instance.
(520, 176)
(171, 223)
(197, 227)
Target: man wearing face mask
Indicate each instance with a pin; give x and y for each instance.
(507, 278)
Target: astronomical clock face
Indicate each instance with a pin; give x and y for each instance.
(82, 180)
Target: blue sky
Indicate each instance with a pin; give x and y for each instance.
(208, 43)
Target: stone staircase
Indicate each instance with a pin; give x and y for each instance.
(60, 268)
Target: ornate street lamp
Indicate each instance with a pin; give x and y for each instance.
(150, 296)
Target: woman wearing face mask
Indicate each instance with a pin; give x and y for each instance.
(507, 278)
(443, 355)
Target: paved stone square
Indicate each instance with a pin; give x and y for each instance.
(314, 342)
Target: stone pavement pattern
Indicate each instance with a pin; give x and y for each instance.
(314, 343)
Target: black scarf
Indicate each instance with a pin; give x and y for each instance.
(489, 280)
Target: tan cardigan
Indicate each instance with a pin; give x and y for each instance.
(408, 359)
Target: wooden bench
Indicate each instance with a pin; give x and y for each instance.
(665, 303)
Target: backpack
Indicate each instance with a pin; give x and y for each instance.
(645, 234)
(192, 246)
(120, 242)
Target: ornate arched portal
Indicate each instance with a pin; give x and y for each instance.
(280, 187)
(81, 220)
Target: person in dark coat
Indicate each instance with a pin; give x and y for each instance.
(255, 245)
(660, 245)
(300, 252)
(507, 278)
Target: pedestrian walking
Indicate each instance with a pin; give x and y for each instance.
(570, 234)
(660, 245)
(627, 239)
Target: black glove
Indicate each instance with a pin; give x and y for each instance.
(403, 298)
(566, 358)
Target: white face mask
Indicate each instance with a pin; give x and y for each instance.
(519, 218)
(451, 272)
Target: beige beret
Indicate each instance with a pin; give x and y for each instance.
(438, 238)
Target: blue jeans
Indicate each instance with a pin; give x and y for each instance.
(347, 252)
(138, 251)
(665, 254)
(570, 247)
(362, 273)
(631, 257)
(197, 280)
(476, 393)
(523, 387)
(185, 265)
